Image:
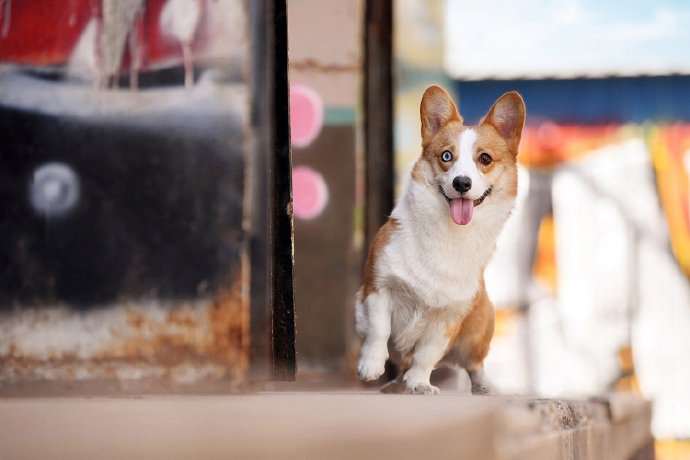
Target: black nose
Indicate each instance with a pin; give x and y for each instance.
(462, 183)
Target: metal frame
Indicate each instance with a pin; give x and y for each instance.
(271, 240)
(378, 114)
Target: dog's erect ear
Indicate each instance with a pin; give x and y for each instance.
(436, 110)
(507, 115)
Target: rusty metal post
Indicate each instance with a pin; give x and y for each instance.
(272, 351)
(378, 114)
(282, 233)
(260, 351)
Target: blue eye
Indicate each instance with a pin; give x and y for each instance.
(446, 156)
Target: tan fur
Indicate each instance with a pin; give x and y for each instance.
(503, 154)
(380, 240)
(470, 336)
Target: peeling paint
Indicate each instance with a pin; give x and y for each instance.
(182, 342)
(328, 67)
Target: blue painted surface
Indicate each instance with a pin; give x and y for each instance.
(585, 101)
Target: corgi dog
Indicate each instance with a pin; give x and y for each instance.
(423, 301)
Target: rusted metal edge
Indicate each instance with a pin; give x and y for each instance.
(185, 342)
(378, 114)
(326, 67)
(282, 231)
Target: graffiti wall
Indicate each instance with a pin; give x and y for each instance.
(122, 191)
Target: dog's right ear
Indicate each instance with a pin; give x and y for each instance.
(436, 110)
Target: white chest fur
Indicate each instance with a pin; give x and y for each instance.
(438, 261)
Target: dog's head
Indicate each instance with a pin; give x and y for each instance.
(469, 165)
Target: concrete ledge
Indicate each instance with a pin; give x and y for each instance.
(615, 427)
(323, 425)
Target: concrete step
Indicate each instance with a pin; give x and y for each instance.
(325, 425)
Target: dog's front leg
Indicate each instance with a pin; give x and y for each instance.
(376, 328)
(427, 353)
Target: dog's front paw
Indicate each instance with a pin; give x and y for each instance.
(417, 383)
(422, 389)
(480, 384)
(371, 367)
(481, 388)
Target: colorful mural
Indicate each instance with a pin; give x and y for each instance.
(669, 146)
(550, 144)
(111, 42)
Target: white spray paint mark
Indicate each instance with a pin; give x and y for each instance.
(54, 189)
(180, 19)
(6, 16)
(465, 165)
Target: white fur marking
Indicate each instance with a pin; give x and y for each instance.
(429, 351)
(465, 165)
(374, 316)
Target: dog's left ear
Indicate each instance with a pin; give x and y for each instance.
(507, 115)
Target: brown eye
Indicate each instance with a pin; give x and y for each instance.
(484, 158)
(446, 156)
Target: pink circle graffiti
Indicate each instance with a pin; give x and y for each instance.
(309, 193)
(306, 115)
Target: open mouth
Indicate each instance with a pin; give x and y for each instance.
(461, 209)
(476, 202)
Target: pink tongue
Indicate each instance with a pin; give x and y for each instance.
(461, 210)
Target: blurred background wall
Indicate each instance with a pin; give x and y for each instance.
(326, 52)
(590, 280)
